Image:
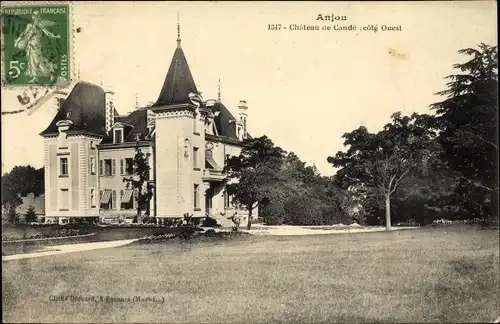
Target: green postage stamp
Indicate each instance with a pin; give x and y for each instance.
(36, 44)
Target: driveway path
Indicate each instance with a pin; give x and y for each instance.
(257, 229)
(68, 248)
(285, 230)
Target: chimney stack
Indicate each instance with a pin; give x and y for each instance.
(109, 95)
(243, 115)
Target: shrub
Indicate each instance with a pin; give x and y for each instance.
(273, 212)
(169, 222)
(210, 232)
(187, 225)
(12, 214)
(209, 222)
(30, 215)
(64, 232)
(196, 221)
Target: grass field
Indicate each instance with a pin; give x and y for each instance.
(100, 234)
(424, 275)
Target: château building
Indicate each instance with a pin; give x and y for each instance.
(89, 149)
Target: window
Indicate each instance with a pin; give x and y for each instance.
(101, 167)
(126, 199)
(226, 157)
(64, 203)
(105, 199)
(118, 136)
(92, 198)
(63, 163)
(108, 167)
(129, 166)
(195, 158)
(92, 165)
(196, 193)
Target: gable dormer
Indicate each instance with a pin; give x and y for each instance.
(118, 131)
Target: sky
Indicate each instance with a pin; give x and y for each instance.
(304, 89)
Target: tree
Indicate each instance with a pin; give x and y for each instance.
(139, 181)
(251, 175)
(12, 214)
(30, 215)
(375, 164)
(468, 118)
(310, 197)
(21, 181)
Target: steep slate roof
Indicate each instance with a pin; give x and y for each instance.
(178, 82)
(135, 123)
(222, 121)
(86, 105)
(139, 120)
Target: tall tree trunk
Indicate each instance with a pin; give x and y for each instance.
(249, 223)
(388, 226)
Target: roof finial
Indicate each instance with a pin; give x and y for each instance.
(102, 83)
(178, 31)
(78, 72)
(136, 100)
(218, 93)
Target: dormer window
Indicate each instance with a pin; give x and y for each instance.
(118, 136)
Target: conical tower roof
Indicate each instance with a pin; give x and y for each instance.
(179, 81)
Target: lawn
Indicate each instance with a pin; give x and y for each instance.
(100, 234)
(426, 275)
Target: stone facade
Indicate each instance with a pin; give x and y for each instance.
(88, 149)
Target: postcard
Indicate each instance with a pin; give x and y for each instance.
(249, 162)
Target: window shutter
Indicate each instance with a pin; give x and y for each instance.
(113, 167)
(100, 167)
(121, 166)
(113, 198)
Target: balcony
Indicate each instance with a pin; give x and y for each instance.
(213, 175)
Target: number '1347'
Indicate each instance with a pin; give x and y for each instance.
(274, 27)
